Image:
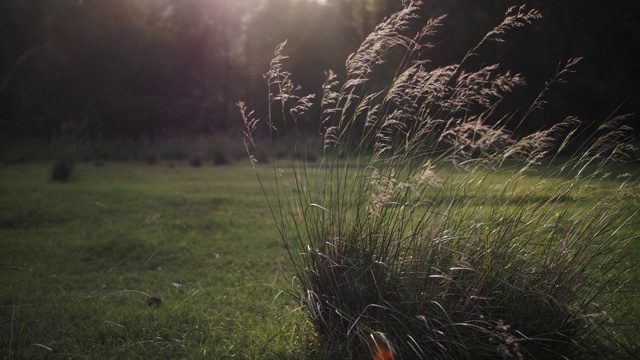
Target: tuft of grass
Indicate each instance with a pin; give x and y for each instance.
(420, 224)
(220, 157)
(195, 161)
(62, 169)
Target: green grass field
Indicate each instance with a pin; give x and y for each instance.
(80, 260)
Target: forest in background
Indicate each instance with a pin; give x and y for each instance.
(157, 69)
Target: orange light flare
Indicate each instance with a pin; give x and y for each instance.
(383, 349)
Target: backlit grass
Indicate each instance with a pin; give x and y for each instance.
(433, 224)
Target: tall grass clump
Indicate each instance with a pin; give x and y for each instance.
(427, 230)
(62, 169)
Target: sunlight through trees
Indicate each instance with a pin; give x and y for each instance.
(146, 69)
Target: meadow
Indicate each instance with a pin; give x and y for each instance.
(131, 260)
(421, 223)
(80, 261)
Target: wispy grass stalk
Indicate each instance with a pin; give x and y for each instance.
(428, 226)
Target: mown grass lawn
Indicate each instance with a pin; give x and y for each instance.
(80, 260)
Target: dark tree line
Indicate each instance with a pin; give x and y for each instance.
(155, 68)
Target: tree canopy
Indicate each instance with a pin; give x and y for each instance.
(154, 68)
